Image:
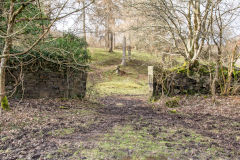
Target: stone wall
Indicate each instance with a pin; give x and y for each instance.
(51, 84)
(194, 80)
(176, 83)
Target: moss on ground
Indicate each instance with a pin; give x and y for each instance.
(173, 102)
(133, 83)
(4, 104)
(121, 87)
(125, 142)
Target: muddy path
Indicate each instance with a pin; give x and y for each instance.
(57, 129)
(222, 130)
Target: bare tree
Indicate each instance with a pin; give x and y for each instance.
(104, 15)
(221, 21)
(186, 23)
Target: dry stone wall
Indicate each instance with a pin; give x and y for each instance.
(176, 83)
(50, 84)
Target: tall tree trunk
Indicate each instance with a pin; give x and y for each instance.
(2, 77)
(129, 47)
(106, 38)
(6, 51)
(111, 41)
(109, 24)
(114, 40)
(124, 52)
(197, 24)
(219, 53)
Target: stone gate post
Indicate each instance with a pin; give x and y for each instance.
(150, 79)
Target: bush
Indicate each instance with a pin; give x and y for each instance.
(66, 49)
(64, 52)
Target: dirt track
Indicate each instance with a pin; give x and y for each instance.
(55, 129)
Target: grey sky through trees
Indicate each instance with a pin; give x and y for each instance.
(73, 23)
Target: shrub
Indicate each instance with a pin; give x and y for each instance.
(64, 52)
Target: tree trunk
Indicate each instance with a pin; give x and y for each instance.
(129, 47)
(2, 77)
(109, 24)
(6, 51)
(215, 79)
(129, 52)
(111, 42)
(2, 80)
(124, 52)
(106, 39)
(114, 40)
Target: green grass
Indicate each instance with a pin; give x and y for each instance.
(124, 142)
(125, 86)
(101, 57)
(134, 82)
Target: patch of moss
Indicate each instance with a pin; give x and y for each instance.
(179, 69)
(64, 99)
(4, 104)
(182, 69)
(173, 102)
(149, 142)
(201, 69)
(63, 107)
(153, 98)
(121, 86)
(124, 141)
(173, 111)
(4, 139)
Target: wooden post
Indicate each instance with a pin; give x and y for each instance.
(150, 79)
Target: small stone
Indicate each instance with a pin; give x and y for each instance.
(36, 156)
(169, 145)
